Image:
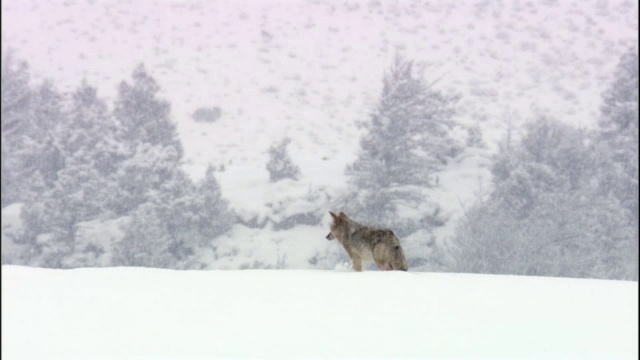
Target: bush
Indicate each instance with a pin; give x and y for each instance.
(207, 115)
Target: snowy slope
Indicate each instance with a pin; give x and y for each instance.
(311, 70)
(138, 313)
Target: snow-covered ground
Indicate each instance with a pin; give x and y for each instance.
(138, 313)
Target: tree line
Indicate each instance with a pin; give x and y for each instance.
(69, 158)
(563, 200)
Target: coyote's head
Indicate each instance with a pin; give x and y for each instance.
(339, 226)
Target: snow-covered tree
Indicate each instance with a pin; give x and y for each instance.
(194, 215)
(140, 176)
(188, 217)
(620, 100)
(15, 99)
(143, 117)
(618, 137)
(153, 148)
(551, 157)
(617, 145)
(84, 163)
(89, 136)
(50, 220)
(474, 138)
(547, 215)
(280, 165)
(79, 190)
(30, 119)
(406, 142)
(146, 242)
(213, 217)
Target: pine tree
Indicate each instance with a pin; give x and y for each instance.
(50, 220)
(194, 215)
(142, 116)
(152, 147)
(620, 100)
(15, 97)
(280, 165)
(618, 137)
(214, 217)
(89, 137)
(551, 157)
(79, 190)
(30, 119)
(91, 150)
(617, 145)
(410, 126)
(140, 176)
(175, 207)
(146, 242)
(546, 214)
(406, 143)
(186, 218)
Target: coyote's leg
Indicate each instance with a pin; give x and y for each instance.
(355, 257)
(357, 263)
(380, 256)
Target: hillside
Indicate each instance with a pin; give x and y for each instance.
(311, 71)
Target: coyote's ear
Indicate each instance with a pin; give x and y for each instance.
(343, 215)
(334, 216)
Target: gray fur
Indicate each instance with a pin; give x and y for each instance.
(366, 243)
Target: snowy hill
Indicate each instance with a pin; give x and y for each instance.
(310, 71)
(139, 313)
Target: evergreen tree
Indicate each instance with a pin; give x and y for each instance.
(213, 218)
(406, 143)
(152, 146)
(89, 137)
(84, 164)
(280, 165)
(14, 105)
(474, 138)
(79, 190)
(620, 100)
(618, 138)
(50, 220)
(551, 157)
(140, 177)
(30, 119)
(546, 214)
(15, 97)
(186, 218)
(91, 150)
(617, 145)
(193, 215)
(409, 128)
(142, 116)
(146, 242)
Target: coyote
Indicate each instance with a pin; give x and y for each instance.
(364, 243)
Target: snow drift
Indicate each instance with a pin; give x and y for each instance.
(136, 313)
